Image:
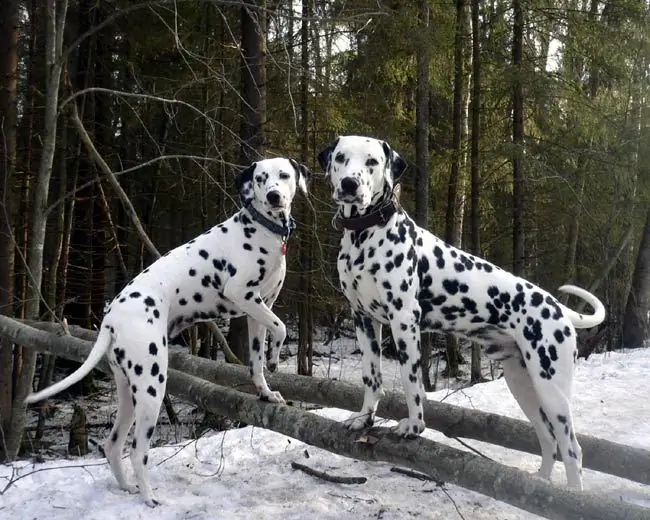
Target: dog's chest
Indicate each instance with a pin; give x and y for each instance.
(188, 283)
(361, 264)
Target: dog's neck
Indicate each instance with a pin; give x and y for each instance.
(279, 223)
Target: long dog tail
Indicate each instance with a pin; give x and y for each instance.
(584, 321)
(104, 340)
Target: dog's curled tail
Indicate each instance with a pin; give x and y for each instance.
(584, 321)
(104, 340)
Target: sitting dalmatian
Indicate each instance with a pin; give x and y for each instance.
(236, 268)
(398, 274)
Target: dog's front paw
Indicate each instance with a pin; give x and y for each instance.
(272, 397)
(360, 420)
(152, 502)
(410, 428)
(129, 488)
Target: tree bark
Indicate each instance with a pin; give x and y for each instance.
(453, 421)
(55, 22)
(518, 179)
(475, 163)
(452, 232)
(437, 460)
(8, 114)
(305, 306)
(253, 114)
(422, 97)
(635, 320)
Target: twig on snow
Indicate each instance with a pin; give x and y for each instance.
(327, 477)
(15, 477)
(417, 475)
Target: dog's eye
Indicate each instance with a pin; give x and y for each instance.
(372, 162)
(340, 158)
(284, 176)
(259, 179)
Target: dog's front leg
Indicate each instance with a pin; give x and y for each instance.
(251, 303)
(257, 339)
(369, 337)
(405, 327)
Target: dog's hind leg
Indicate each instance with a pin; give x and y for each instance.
(123, 422)
(369, 337)
(149, 396)
(521, 386)
(554, 393)
(147, 409)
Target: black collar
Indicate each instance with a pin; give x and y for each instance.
(273, 227)
(379, 216)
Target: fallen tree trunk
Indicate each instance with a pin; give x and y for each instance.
(453, 421)
(441, 462)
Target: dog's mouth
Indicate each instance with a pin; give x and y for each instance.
(276, 208)
(347, 198)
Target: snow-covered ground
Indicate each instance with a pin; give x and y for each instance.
(246, 473)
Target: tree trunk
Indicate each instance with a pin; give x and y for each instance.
(422, 94)
(253, 116)
(305, 306)
(475, 163)
(635, 320)
(8, 113)
(453, 421)
(55, 22)
(518, 179)
(453, 202)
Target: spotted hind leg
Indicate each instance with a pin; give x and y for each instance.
(521, 386)
(123, 421)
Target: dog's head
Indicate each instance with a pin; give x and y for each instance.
(272, 183)
(360, 169)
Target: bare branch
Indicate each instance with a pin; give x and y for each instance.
(132, 214)
(327, 477)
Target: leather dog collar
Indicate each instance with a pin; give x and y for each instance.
(378, 217)
(273, 227)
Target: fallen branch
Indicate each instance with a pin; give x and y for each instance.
(453, 421)
(441, 462)
(327, 477)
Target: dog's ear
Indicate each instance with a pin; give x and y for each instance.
(325, 156)
(394, 161)
(302, 174)
(397, 166)
(244, 183)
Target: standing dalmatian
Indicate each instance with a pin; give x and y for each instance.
(236, 268)
(395, 273)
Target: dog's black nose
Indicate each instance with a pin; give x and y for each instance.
(349, 185)
(273, 197)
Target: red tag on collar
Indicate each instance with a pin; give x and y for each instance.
(283, 247)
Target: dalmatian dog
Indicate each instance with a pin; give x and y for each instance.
(233, 269)
(395, 273)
